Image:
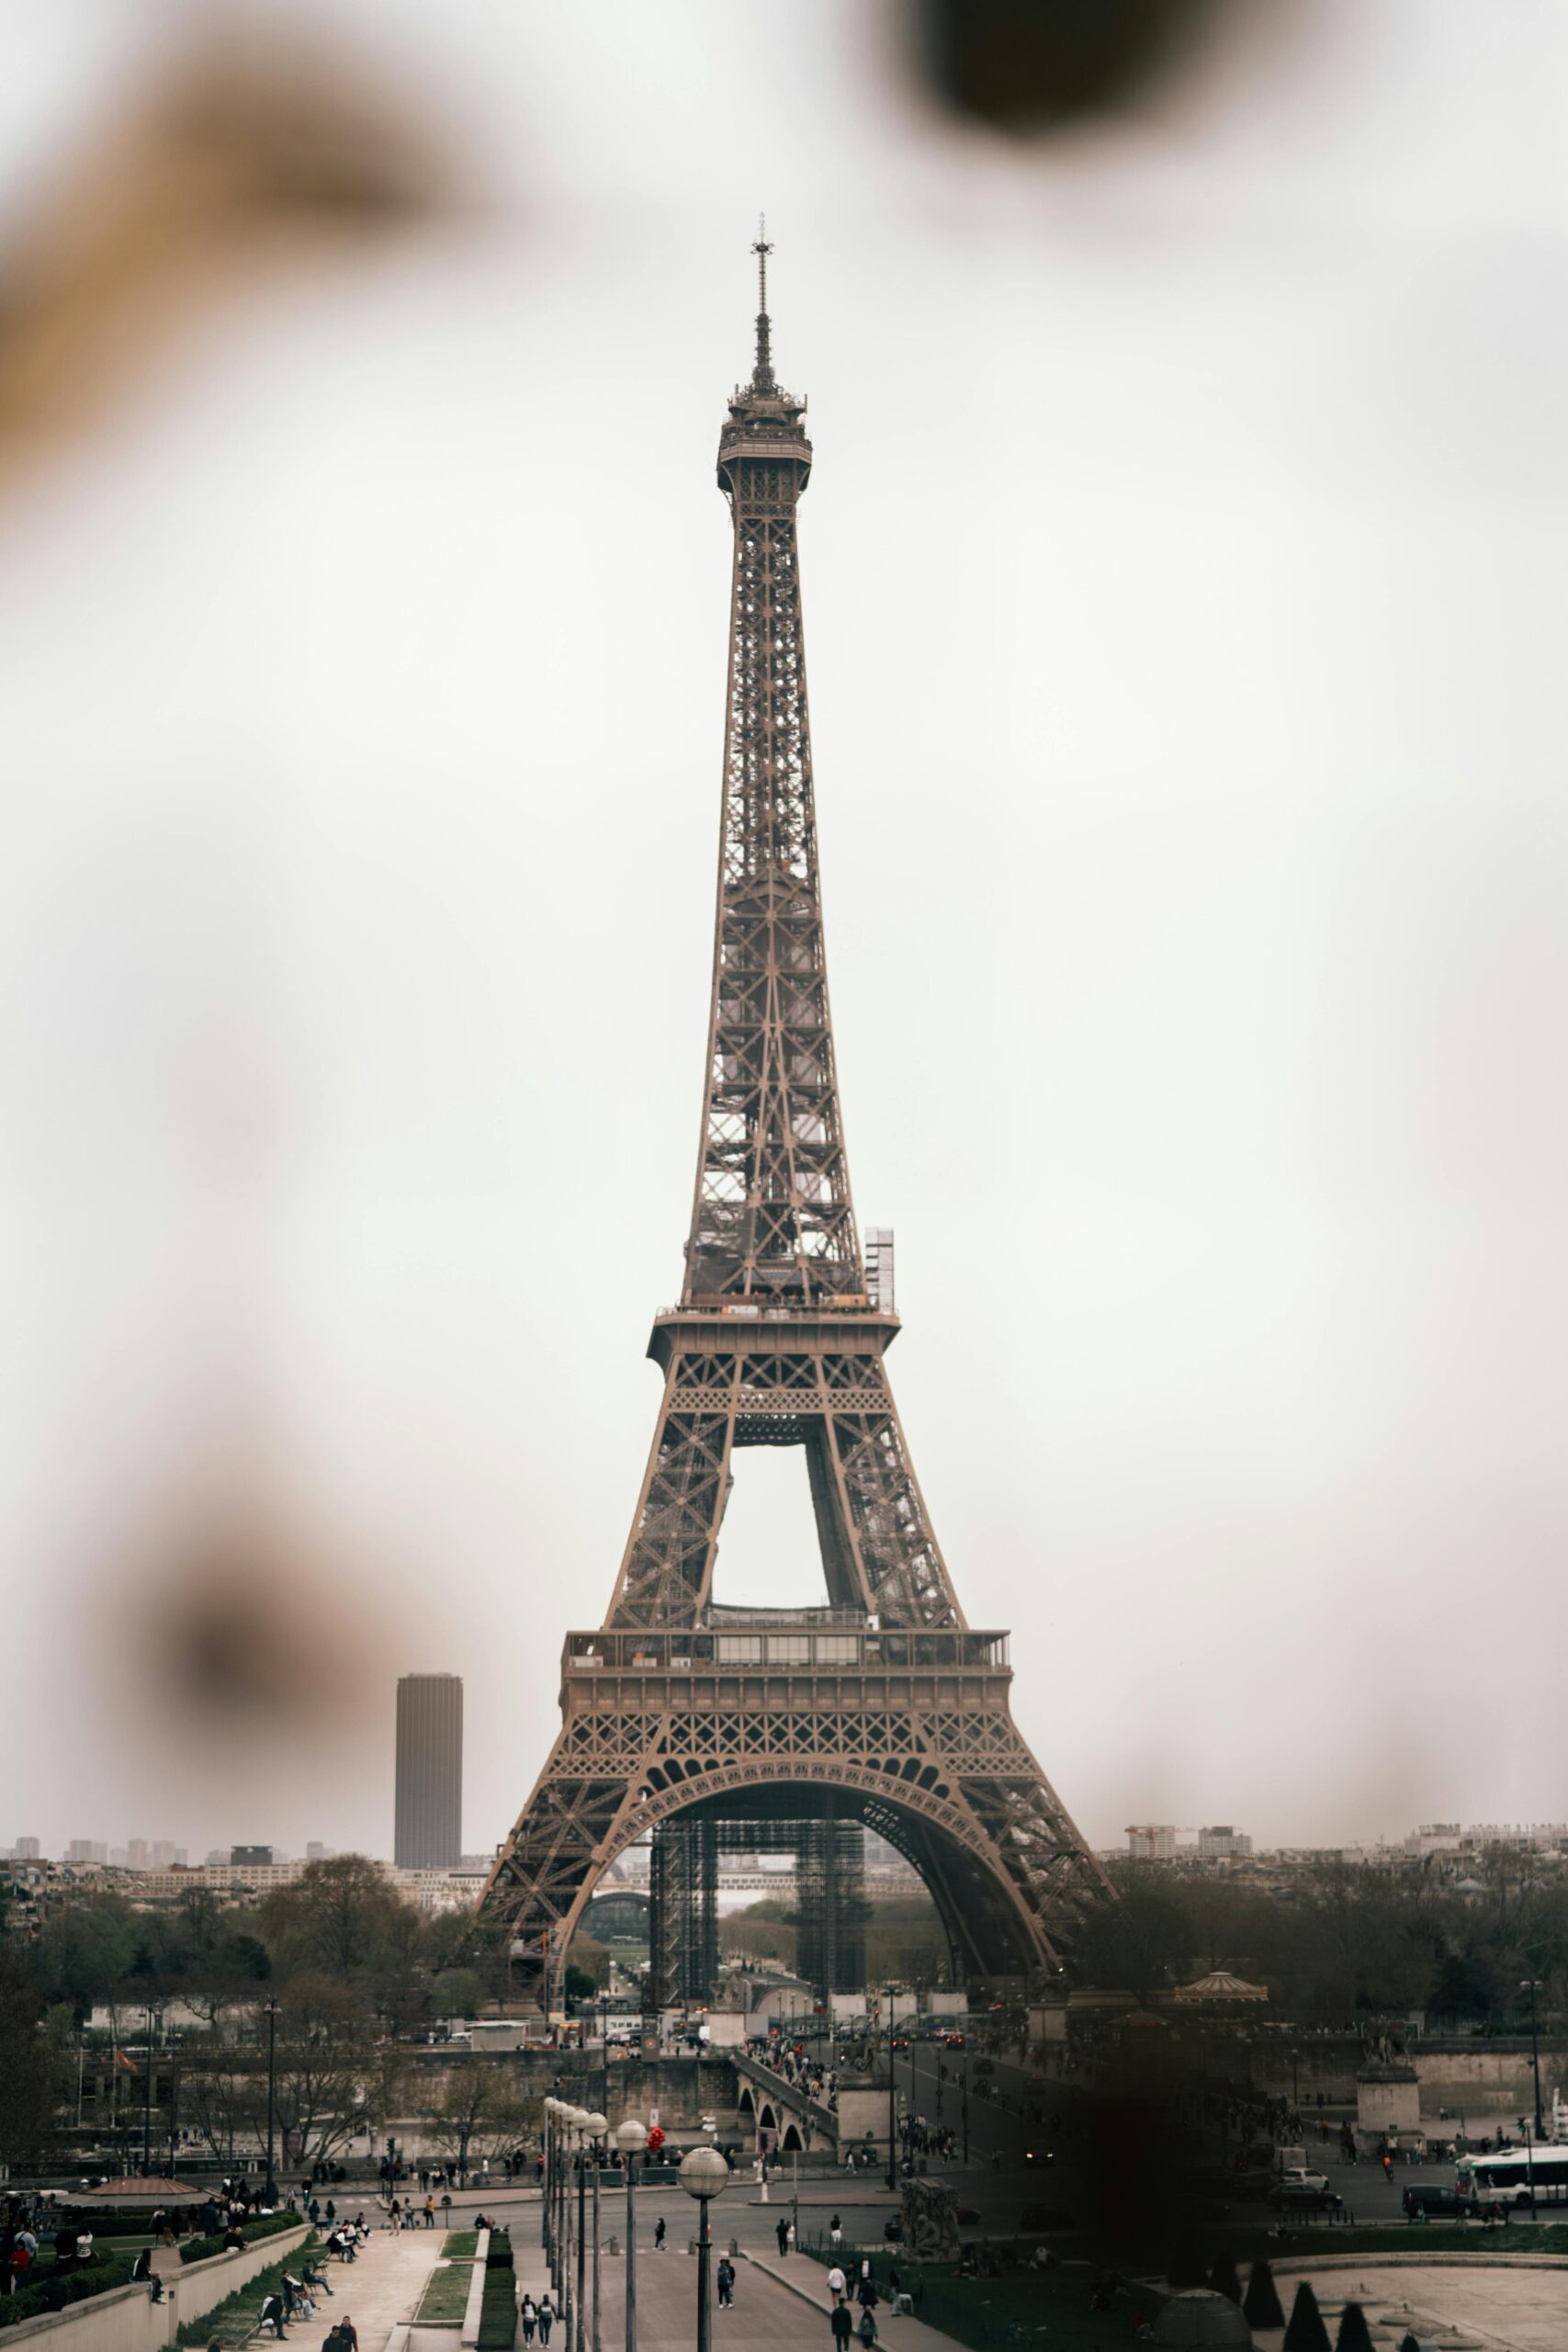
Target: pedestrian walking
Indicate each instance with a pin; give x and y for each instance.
(547, 2318)
(725, 2275)
(835, 2234)
(842, 2324)
(528, 2313)
(782, 2234)
(838, 2286)
(658, 2235)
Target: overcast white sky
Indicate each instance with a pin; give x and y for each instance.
(1184, 575)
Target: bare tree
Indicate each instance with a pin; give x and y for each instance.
(478, 2113)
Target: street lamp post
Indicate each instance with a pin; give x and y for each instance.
(704, 2175)
(271, 2190)
(547, 2201)
(569, 2300)
(604, 2050)
(631, 2138)
(597, 2127)
(892, 2102)
(147, 2102)
(1532, 1984)
(563, 2213)
(580, 2119)
(561, 2227)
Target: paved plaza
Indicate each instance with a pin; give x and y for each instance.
(1502, 2307)
(378, 2291)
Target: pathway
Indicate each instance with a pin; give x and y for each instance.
(377, 2292)
(768, 2312)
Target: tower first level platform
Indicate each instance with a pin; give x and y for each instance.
(743, 1714)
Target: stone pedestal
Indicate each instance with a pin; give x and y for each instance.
(1388, 2098)
(863, 2116)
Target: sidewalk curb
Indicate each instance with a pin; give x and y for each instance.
(819, 2304)
(1449, 2259)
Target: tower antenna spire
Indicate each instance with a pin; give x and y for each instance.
(762, 374)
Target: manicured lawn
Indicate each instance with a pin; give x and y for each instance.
(445, 2297)
(461, 2245)
(1047, 2307)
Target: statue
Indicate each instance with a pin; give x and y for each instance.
(930, 2222)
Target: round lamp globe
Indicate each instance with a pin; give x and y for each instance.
(704, 2173)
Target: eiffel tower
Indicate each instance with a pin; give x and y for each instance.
(884, 1708)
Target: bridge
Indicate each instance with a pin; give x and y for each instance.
(773, 2104)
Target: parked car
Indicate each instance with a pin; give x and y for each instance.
(1296, 2197)
(1425, 2203)
(1302, 2177)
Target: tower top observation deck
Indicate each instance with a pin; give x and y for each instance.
(763, 420)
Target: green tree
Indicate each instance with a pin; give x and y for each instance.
(1140, 1943)
(1260, 2305)
(1305, 2330)
(242, 1960)
(32, 2077)
(1468, 1983)
(578, 1984)
(338, 1918)
(457, 1993)
(83, 1953)
(1354, 2335)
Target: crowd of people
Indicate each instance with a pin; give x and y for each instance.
(797, 2066)
(845, 2297)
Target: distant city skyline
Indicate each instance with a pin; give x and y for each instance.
(1153, 1841)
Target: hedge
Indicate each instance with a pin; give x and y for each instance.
(498, 2300)
(94, 2277)
(114, 2226)
(498, 2311)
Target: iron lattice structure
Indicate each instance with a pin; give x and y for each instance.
(884, 1706)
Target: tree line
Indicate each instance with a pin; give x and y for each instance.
(348, 1968)
(1348, 1938)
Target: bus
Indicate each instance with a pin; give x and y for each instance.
(1508, 2176)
